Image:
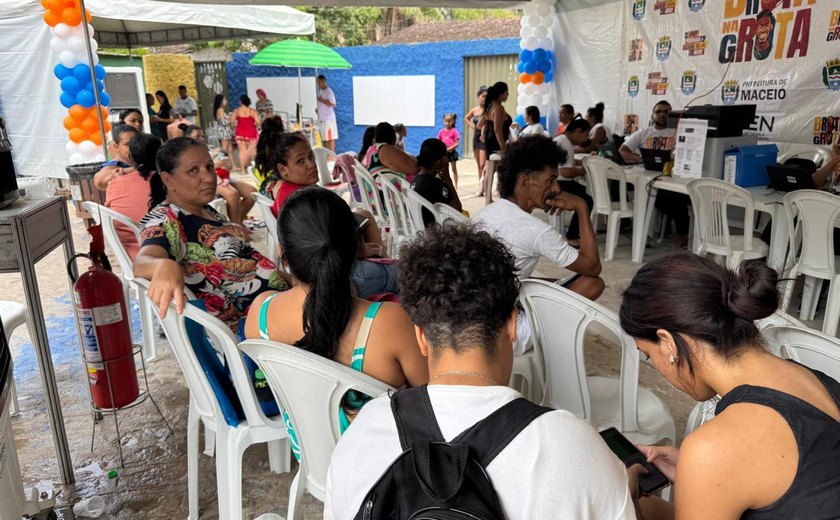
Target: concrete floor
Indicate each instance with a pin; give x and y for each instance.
(153, 483)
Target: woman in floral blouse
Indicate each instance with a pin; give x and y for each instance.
(186, 243)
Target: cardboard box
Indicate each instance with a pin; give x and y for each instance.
(746, 166)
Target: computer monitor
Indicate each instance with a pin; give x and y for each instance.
(724, 120)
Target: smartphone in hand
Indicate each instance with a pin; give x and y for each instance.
(650, 483)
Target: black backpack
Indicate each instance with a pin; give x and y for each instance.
(438, 480)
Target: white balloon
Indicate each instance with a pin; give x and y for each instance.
(543, 109)
(97, 157)
(531, 43)
(87, 147)
(94, 45)
(77, 158)
(61, 30)
(541, 32)
(526, 32)
(76, 44)
(545, 43)
(70, 147)
(520, 89)
(532, 21)
(529, 88)
(522, 45)
(522, 100)
(546, 99)
(544, 2)
(530, 9)
(543, 10)
(68, 58)
(57, 45)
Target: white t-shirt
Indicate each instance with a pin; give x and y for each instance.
(527, 237)
(557, 467)
(563, 142)
(326, 112)
(650, 137)
(535, 129)
(186, 106)
(595, 129)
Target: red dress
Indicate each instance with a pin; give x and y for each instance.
(245, 128)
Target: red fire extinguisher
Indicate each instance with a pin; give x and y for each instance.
(104, 329)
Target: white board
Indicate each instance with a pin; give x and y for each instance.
(283, 93)
(409, 100)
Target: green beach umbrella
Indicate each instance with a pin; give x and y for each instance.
(301, 54)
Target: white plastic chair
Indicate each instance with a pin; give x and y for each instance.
(807, 346)
(219, 205)
(310, 389)
(812, 215)
(596, 172)
(108, 218)
(264, 204)
(447, 212)
(230, 442)
(14, 315)
(710, 199)
(416, 203)
(819, 154)
(399, 221)
(369, 194)
(324, 156)
(559, 320)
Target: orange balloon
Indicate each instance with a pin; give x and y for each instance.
(88, 16)
(71, 17)
(92, 112)
(69, 123)
(79, 113)
(96, 137)
(107, 126)
(538, 78)
(90, 125)
(77, 135)
(51, 18)
(45, 4)
(525, 78)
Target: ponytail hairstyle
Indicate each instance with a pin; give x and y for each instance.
(367, 142)
(272, 150)
(167, 159)
(142, 151)
(493, 95)
(217, 103)
(317, 234)
(692, 296)
(596, 112)
(384, 133)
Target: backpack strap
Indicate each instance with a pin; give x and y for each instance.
(414, 416)
(493, 433)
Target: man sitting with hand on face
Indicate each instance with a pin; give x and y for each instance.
(528, 181)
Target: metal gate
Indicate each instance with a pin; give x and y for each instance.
(210, 80)
(486, 70)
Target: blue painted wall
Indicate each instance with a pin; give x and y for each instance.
(444, 60)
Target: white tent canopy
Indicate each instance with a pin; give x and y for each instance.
(464, 4)
(149, 23)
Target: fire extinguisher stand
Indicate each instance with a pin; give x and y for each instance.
(137, 351)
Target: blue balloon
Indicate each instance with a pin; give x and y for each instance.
(71, 85)
(525, 55)
(99, 70)
(67, 100)
(85, 98)
(520, 120)
(531, 67)
(101, 85)
(538, 55)
(549, 55)
(61, 71)
(544, 122)
(82, 72)
(104, 99)
(548, 77)
(520, 67)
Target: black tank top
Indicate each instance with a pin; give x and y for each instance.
(815, 491)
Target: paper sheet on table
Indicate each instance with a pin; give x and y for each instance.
(690, 147)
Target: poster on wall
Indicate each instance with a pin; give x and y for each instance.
(781, 55)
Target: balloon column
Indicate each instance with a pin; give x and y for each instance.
(536, 60)
(77, 81)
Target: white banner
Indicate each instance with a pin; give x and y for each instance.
(781, 55)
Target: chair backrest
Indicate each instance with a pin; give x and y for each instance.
(416, 204)
(818, 154)
(559, 319)
(807, 346)
(264, 204)
(399, 220)
(596, 172)
(447, 212)
(367, 190)
(201, 388)
(107, 218)
(310, 388)
(812, 215)
(323, 156)
(710, 199)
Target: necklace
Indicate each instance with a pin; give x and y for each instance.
(464, 373)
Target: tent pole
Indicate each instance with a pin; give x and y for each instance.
(300, 107)
(94, 85)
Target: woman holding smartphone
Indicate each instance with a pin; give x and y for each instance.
(773, 449)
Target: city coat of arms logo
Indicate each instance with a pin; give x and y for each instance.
(639, 9)
(633, 86)
(663, 48)
(688, 82)
(729, 92)
(831, 74)
(696, 5)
